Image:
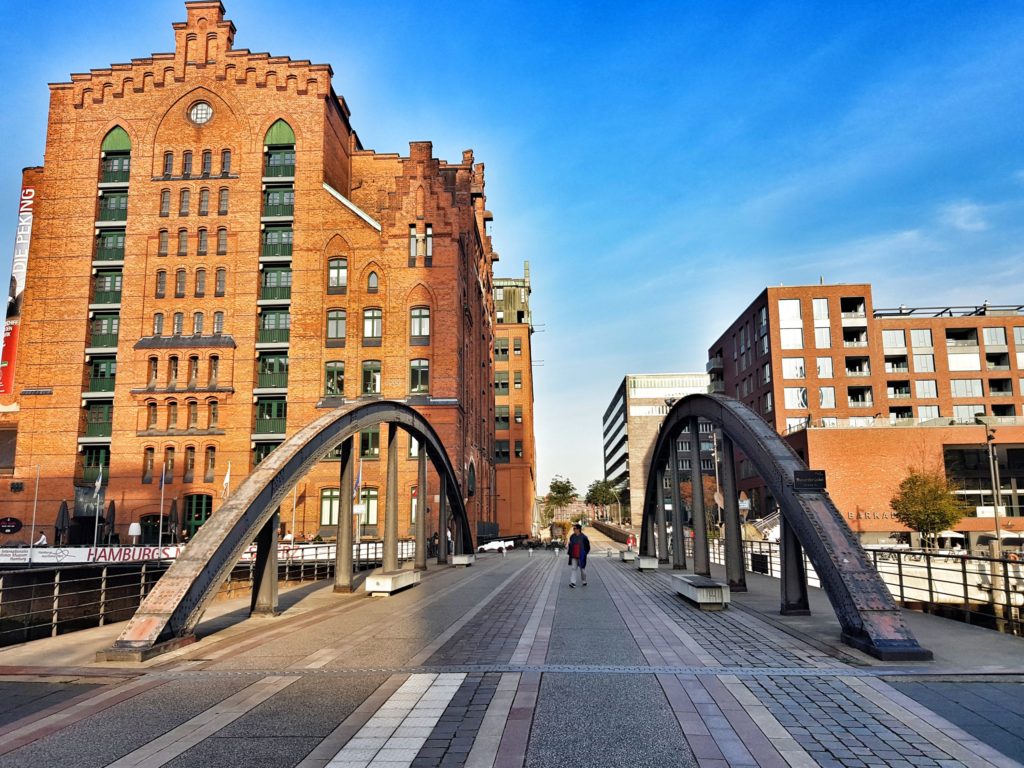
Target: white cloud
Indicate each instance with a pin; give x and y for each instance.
(965, 216)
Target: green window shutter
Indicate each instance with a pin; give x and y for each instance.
(279, 133)
(117, 141)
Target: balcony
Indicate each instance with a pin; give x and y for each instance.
(855, 343)
(104, 384)
(717, 387)
(113, 214)
(107, 297)
(272, 380)
(857, 403)
(278, 210)
(276, 249)
(899, 394)
(114, 176)
(98, 429)
(715, 364)
(276, 293)
(278, 170)
(109, 254)
(270, 426)
(857, 372)
(89, 475)
(274, 335)
(102, 340)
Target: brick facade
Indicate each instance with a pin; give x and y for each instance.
(411, 229)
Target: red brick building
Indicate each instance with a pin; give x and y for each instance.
(214, 259)
(515, 454)
(865, 393)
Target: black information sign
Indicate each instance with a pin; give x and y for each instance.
(809, 480)
(9, 525)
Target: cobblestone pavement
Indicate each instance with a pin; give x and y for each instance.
(503, 665)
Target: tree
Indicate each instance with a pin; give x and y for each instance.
(925, 503)
(709, 487)
(561, 493)
(601, 493)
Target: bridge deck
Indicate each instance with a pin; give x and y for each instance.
(502, 664)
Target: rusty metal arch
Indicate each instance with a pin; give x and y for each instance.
(867, 613)
(179, 599)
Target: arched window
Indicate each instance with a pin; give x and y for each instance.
(222, 241)
(225, 162)
(203, 242)
(172, 371)
(154, 371)
(419, 325)
(161, 283)
(368, 498)
(334, 378)
(168, 469)
(280, 150)
(172, 414)
(179, 284)
(207, 162)
(373, 326)
(372, 283)
(212, 414)
(179, 323)
(330, 502)
(186, 163)
(337, 275)
(336, 328)
(168, 163)
(371, 377)
(151, 415)
(148, 458)
(220, 287)
(218, 323)
(158, 324)
(183, 242)
(200, 283)
(116, 154)
(193, 370)
(197, 324)
(204, 201)
(165, 202)
(193, 414)
(419, 376)
(163, 243)
(214, 371)
(222, 202)
(210, 464)
(190, 464)
(184, 199)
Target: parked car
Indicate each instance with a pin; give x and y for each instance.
(495, 546)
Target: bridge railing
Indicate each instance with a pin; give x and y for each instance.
(46, 602)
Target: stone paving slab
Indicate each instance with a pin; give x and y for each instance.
(620, 673)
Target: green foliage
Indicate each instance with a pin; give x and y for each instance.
(601, 493)
(561, 493)
(925, 503)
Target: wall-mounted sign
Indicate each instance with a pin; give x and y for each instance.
(809, 480)
(9, 525)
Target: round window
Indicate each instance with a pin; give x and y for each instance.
(200, 113)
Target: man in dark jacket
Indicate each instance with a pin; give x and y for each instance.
(579, 548)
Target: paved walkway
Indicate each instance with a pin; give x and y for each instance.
(503, 665)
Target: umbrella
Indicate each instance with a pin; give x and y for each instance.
(111, 516)
(172, 520)
(62, 525)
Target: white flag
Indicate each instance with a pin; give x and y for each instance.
(99, 483)
(227, 482)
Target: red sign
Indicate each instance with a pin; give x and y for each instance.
(22, 239)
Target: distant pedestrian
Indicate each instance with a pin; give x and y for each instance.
(42, 541)
(579, 548)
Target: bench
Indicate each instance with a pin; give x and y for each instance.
(383, 583)
(627, 556)
(645, 563)
(463, 560)
(707, 594)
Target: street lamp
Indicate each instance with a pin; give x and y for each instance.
(993, 468)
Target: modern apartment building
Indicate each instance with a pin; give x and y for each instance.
(515, 454)
(865, 392)
(630, 427)
(214, 259)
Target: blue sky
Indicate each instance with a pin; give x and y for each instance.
(658, 163)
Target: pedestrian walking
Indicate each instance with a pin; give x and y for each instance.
(579, 548)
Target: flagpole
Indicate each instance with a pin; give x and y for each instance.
(160, 528)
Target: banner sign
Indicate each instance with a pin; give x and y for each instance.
(22, 238)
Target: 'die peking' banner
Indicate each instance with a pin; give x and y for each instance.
(21, 242)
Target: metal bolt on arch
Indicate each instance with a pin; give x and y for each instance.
(869, 617)
(169, 614)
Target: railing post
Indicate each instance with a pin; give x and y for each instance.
(142, 584)
(928, 571)
(967, 599)
(54, 618)
(899, 575)
(103, 595)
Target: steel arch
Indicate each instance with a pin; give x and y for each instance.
(177, 602)
(867, 613)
